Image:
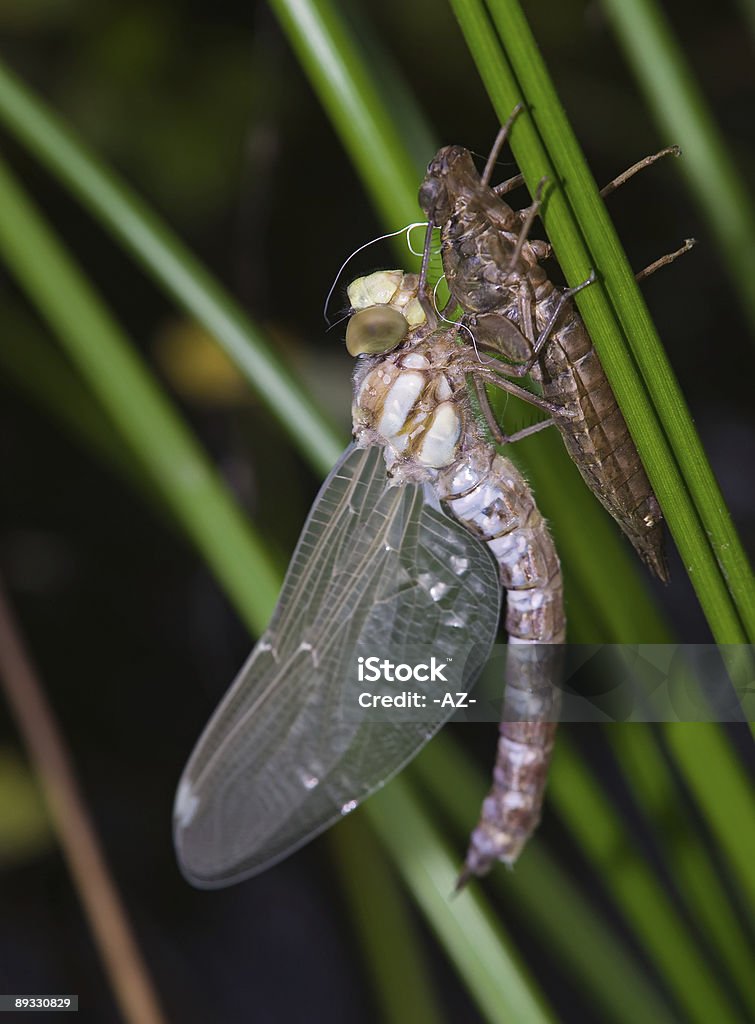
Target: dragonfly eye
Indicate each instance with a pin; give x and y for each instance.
(375, 331)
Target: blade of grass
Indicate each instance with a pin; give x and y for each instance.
(705, 898)
(43, 375)
(161, 253)
(709, 545)
(475, 941)
(392, 948)
(639, 895)
(153, 430)
(549, 902)
(330, 56)
(681, 113)
(722, 790)
(395, 95)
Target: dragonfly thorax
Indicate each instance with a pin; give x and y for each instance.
(413, 401)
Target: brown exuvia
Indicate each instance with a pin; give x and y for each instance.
(512, 308)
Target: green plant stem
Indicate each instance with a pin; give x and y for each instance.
(165, 257)
(392, 945)
(145, 419)
(43, 375)
(475, 941)
(723, 791)
(707, 903)
(330, 56)
(638, 893)
(550, 904)
(725, 592)
(682, 114)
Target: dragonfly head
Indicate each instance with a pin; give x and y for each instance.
(375, 330)
(450, 175)
(385, 307)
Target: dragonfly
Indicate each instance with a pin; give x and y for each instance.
(416, 532)
(511, 308)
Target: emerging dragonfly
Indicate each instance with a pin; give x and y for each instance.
(494, 274)
(413, 534)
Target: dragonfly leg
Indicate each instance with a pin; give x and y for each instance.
(526, 314)
(516, 342)
(529, 216)
(563, 299)
(664, 261)
(486, 409)
(500, 380)
(509, 185)
(543, 250)
(528, 318)
(500, 139)
(510, 369)
(630, 172)
(499, 436)
(535, 428)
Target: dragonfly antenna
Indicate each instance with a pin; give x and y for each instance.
(340, 320)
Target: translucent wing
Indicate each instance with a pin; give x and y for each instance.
(378, 568)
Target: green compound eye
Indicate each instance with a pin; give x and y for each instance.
(375, 331)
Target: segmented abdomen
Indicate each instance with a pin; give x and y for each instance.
(595, 432)
(495, 502)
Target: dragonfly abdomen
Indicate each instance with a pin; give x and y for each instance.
(498, 506)
(496, 503)
(511, 811)
(597, 438)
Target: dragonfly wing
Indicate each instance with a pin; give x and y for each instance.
(378, 568)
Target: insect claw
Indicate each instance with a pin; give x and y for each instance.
(465, 876)
(590, 279)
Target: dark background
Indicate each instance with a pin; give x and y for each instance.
(205, 111)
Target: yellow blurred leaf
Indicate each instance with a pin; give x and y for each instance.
(196, 367)
(24, 825)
